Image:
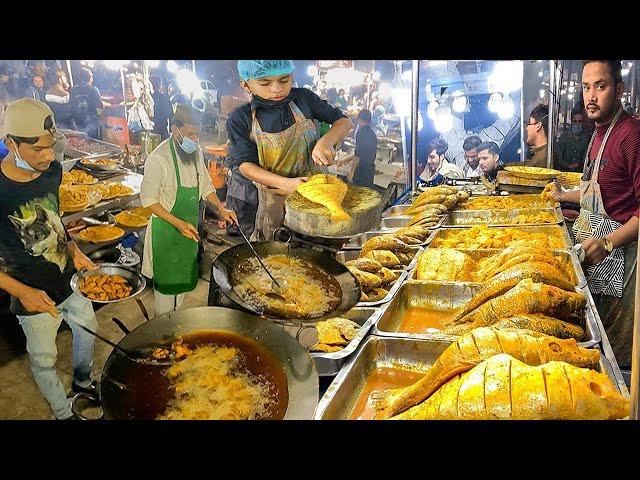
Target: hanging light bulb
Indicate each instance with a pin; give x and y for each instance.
(540, 73)
(505, 109)
(431, 109)
(172, 66)
(376, 76)
(459, 104)
(570, 96)
(493, 102)
(312, 70)
(443, 123)
(542, 93)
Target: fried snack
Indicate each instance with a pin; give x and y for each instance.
(335, 334)
(368, 281)
(75, 198)
(129, 219)
(117, 190)
(486, 237)
(102, 233)
(377, 294)
(385, 257)
(365, 264)
(105, 287)
(387, 276)
(78, 177)
(383, 242)
(100, 161)
(508, 202)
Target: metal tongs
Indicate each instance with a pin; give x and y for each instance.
(276, 288)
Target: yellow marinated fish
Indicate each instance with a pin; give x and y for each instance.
(504, 388)
(474, 347)
(328, 191)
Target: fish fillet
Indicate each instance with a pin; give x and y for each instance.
(474, 347)
(504, 388)
(328, 191)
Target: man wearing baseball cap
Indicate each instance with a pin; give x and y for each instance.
(37, 257)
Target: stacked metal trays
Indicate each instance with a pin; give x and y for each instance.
(329, 364)
(546, 229)
(498, 218)
(357, 242)
(568, 256)
(375, 352)
(452, 295)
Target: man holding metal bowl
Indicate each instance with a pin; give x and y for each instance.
(37, 256)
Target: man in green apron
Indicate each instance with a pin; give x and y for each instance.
(273, 140)
(609, 194)
(175, 180)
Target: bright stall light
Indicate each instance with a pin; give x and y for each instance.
(572, 89)
(443, 123)
(407, 75)
(188, 82)
(384, 90)
(153, 63)
(540, 73)
(431, 109)
(506, 77)
(459, 104)
(345, 77)
(376, 76)
(506, 109)
(312, 70)
(493, 102)
(570, 96)
(115, 64)
(542, 93)
(402, 101)
(172, 66)
(625, 71)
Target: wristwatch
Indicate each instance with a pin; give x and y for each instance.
(608, 246)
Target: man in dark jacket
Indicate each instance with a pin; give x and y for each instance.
(86, 104)
(366, 145)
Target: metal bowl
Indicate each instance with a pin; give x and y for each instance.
(136, 281)
(68, 164)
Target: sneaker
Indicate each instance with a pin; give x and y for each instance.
(92, 389)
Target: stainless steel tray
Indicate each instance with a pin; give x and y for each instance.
(498, 218)
(396, 211)
(567, 255)
(403, 221)
(346, 255)
(451, 295)
(376, 352)
(567, 243)
(329, 364)
(356, 242)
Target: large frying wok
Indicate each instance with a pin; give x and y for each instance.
(130, 391)
(228, 261)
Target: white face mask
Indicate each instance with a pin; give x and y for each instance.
(20, 163)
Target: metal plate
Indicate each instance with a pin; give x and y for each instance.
(344, 256)
(357, 242)
(498, 218)
(546, 229)
(399, 222)
(136, 281)
(451, 295)
(567, 255)
(329, 364)
(376, 352)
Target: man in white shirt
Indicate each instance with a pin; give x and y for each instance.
(175, 180)
(471, 167)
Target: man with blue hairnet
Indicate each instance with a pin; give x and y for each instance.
(273, 139)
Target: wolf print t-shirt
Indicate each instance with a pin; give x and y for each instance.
(33, 241)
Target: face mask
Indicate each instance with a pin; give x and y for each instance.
(20, 163)
(188, 145)
(576, 129)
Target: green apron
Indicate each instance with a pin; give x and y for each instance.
(175, 257)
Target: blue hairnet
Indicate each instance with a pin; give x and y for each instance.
(252, 69)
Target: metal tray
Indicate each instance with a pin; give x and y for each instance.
(375, 352)
(357, 242)
(451, 295)
(345, 255)
(396, 211)
(329, 364)
(578, 273)
(547, 229)
(498, 218)
(403, 221)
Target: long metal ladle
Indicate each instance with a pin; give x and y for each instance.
(275, 286)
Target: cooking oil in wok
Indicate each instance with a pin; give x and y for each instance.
(150, 393)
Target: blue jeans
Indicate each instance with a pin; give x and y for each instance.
(41, 331)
